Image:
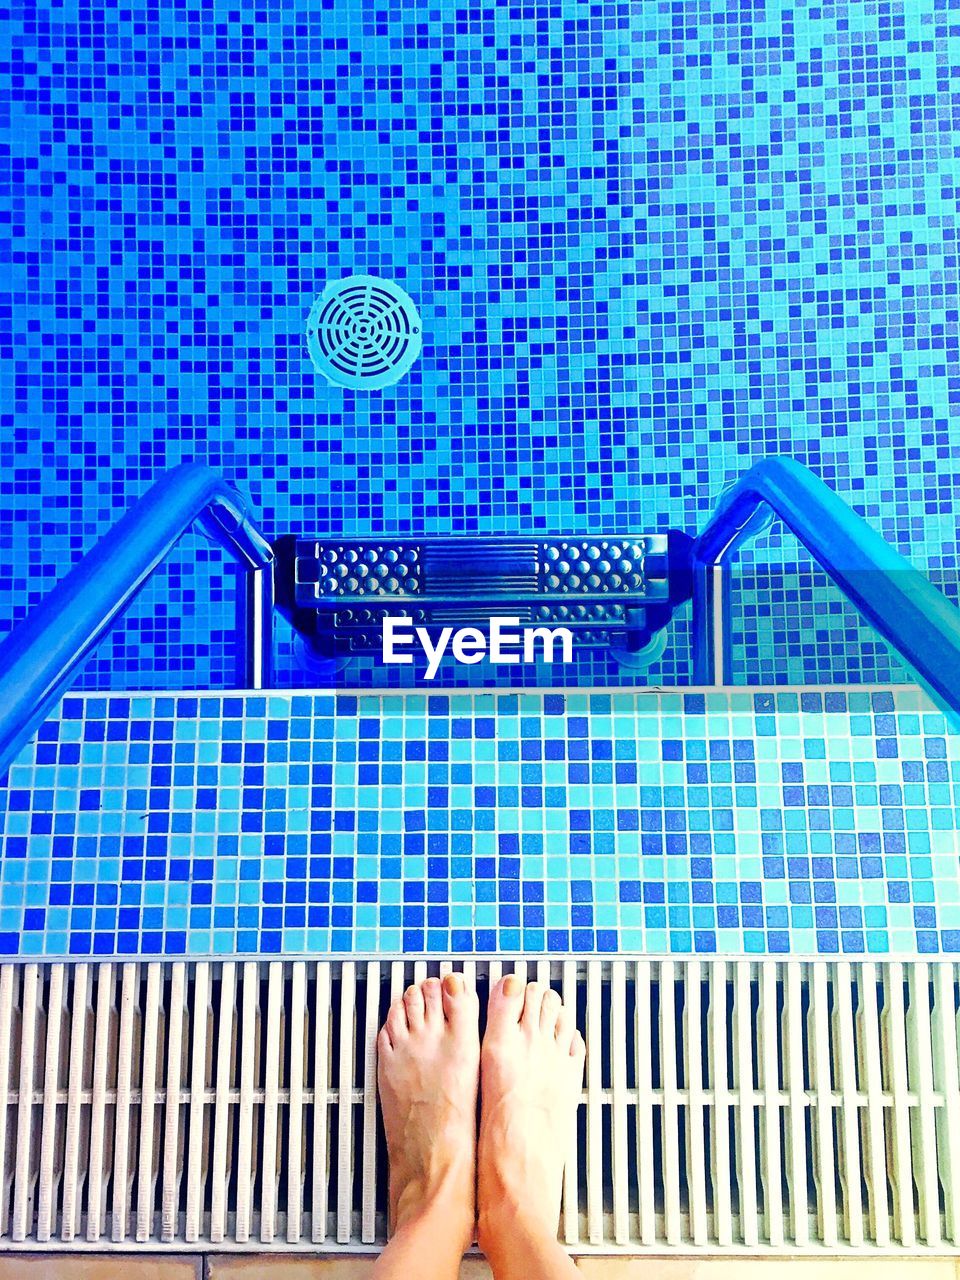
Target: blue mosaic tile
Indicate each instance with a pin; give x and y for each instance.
(823, 821)
(649, 244)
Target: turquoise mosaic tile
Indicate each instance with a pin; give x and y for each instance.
(735, 822)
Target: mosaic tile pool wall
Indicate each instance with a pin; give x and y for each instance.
(650, 242)
(826, 822)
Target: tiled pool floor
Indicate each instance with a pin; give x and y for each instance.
(649, 244)
(732, 822)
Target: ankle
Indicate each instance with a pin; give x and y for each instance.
(441, 1211)
(509, 1221)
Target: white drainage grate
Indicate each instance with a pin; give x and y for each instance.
(363, 333)
(781, 1107)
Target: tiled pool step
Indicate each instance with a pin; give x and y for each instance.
(736, 821)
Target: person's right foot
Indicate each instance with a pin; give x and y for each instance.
(427, 1070)
(531, 1075)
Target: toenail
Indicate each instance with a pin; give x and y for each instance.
(513, 986)
(453, 984)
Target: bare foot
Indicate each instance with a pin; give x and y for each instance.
(531, 1077)
(427, 1071)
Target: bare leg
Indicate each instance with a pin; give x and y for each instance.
(531, 1075)
(428, 1069)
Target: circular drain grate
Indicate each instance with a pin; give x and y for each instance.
(363, 333)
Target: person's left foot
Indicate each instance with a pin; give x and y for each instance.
(531, 1077)
(428, 1070)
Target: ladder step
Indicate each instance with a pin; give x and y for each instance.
(602, 588)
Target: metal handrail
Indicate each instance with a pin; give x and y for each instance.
(898, 601)
(40, 656)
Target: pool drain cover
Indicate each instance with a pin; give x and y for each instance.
(363, 333)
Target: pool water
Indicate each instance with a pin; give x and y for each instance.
(649, 244)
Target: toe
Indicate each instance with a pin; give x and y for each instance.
(432, 1001)
(578, 1048)
(532, 1004)
(506, 1003)
(396, 1023)
(459, 1001)
(550, 1012)
(413, 1002)
(566, 1027)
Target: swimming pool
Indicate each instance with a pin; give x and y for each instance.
(619, 252)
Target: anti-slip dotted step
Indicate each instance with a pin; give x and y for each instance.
(615, 590)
